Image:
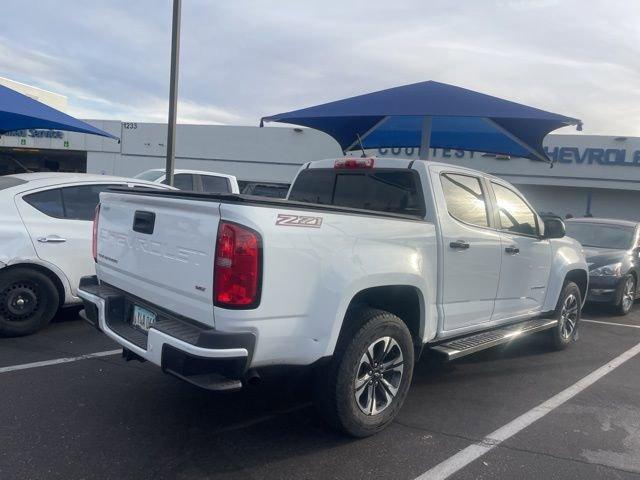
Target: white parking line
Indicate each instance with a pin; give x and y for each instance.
(473, 452)
(609, 323)
(58, 361)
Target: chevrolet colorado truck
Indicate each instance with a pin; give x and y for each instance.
(366, 264)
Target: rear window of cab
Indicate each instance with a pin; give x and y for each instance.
(380, 190)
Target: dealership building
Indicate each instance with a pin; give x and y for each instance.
(597, 175)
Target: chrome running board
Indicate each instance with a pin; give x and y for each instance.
(461, 346)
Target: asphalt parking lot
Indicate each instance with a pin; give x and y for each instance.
(101, 417)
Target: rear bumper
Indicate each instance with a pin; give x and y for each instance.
(189, 350)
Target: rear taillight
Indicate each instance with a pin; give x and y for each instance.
(237, 271)
(94, 238)
(354, 163)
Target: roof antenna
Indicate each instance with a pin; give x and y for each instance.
(364, 155)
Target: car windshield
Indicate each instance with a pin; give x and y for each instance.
(601, 236)
(150, 175)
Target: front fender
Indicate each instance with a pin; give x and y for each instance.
(567, 256)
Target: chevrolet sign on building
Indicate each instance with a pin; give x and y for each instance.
(602, 156)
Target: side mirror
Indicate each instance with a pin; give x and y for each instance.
(554, 228)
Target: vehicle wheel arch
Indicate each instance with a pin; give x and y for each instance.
(54, 277)
(580, 278)
(404, 301)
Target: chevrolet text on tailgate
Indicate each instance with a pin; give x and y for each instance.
(367, 263)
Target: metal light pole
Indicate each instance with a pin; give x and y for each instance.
(173, 92)
(425, 139)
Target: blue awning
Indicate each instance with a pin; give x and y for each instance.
(19, 112)
(440, 115)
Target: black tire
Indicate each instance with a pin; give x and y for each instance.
(625, 305)
(570, 298)
(28, 301)
(335, 385)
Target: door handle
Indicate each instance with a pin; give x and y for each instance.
(459, 244)
(512, 249)
(52, 239)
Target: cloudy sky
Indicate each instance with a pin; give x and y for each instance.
(241, 60)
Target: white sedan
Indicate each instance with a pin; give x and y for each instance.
(45, 239)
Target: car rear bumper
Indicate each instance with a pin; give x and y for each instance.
(191, 351)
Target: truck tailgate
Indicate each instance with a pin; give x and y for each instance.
(161, 250)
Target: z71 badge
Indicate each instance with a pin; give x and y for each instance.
(285, 219)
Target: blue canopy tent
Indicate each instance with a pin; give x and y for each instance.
(432, 114)
(19, 112)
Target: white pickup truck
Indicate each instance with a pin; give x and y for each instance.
(365, 265)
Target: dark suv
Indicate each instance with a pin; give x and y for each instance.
(612, 249)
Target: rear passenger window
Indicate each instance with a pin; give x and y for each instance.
(465, 199)
(515, 214)
(211, 184)
(48, 202)
(71, 203)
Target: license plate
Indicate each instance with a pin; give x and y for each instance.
(142, 318)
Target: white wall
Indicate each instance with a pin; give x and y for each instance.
(103, 163)
(250, 153)
(606, 203)
(223, 142)
(558, 200)
(616, 204)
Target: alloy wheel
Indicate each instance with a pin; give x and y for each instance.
(379, 375)
(628, 294)
(568, 316)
